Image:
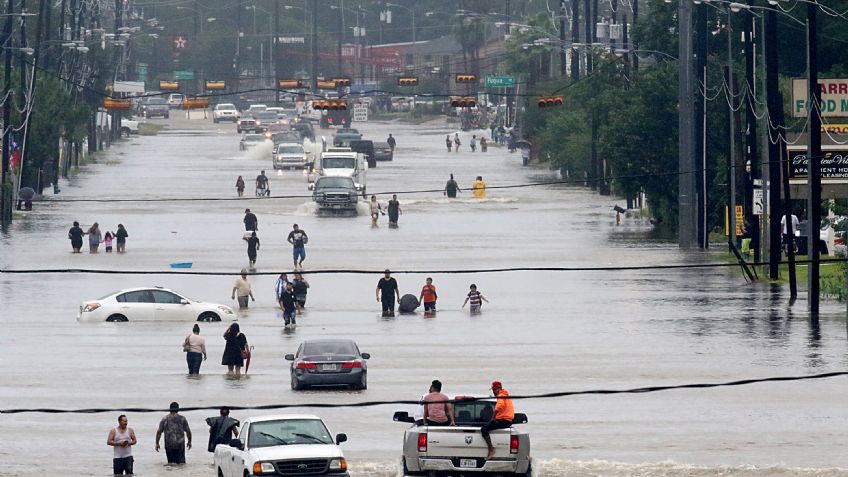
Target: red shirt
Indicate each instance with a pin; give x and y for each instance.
(428, 293)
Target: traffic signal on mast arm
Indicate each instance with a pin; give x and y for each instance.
(289, 84)
(341, 82)
(466, 102)
(465, 78)
(549, 101)
(331, 105)
(407, 81)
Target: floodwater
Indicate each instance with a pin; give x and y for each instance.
(541, 332)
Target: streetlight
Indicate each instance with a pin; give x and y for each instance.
(412, 10)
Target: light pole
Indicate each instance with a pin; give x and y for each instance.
(411, 10)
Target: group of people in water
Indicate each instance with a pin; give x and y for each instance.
(388, 292)
(453, 143)
(96, 237)
(478, 188)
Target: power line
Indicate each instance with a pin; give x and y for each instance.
(557, 394)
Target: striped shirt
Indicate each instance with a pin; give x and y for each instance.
(475, 298)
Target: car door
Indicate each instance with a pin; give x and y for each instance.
(136, 305)
(169, 306)
(236, 463)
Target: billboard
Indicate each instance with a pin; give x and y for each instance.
(834, 162)
(834, 97)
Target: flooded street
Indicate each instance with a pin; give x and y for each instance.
(541, 332)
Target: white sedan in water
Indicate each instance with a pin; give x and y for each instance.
(146, 304)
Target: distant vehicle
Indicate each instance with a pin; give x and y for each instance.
(225, 112)
(256, 108)
(251, 140)
(282, 445)
(328, 362)
(341, 162)
(265, 119)
(246, 123)
(335, 194)
(289, 155)
(383, 152)
(145, 304)
(129, 126)
(366, 148)
(345, 136)
(460, 449)
(313, 115)
(304, 127)
(175, 100)
(155, 106)
(339, 117)
(280, 137)
(401, 104)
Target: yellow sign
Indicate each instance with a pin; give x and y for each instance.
(196, 103)
(169, 85)
(216, 85)
(740, 221)
(119, 104)
(835, 128)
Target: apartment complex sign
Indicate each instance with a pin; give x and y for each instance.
(834, 97)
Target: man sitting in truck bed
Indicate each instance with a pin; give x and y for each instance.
(504, 415)
(437, 411)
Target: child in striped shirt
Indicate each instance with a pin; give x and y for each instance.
(475, 298)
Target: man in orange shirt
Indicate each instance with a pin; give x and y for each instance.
(504, 415)
(428, 296)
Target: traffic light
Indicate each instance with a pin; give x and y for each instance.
(169, 85)
(289, 84)
(324, 84)
(549, 101)
(407, 81)
(341, 82)
(466, 102)
(464, 78)
(116, 104)
(216, 85)
(330, 105)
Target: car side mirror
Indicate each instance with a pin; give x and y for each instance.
(403, 416)
(341, 438)
(183, 301)
(237, 444)
(519, 418)
(289, 357)
(366, 355)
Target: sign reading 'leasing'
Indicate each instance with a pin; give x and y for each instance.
(834, 164)
(834, 97)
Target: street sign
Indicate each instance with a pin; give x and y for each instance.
(758, 202)
(183, 75)
(740, 220)
(499, 81)
(360, 112)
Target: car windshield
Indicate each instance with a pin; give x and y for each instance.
(289, 150)
(226, 106)
(254, 138)
(156, 101)
(339, 163)
(265, 116)
(328, 348)
(288, 432)
(339, 182)
(349, 131)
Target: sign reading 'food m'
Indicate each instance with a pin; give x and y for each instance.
(834, 96)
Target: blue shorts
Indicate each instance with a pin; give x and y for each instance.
(299, 252)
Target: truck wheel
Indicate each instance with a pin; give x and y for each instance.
(406, 471)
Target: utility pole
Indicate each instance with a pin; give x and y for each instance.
(340, 36)
(635, 4)
(813, 159)
(752, 162)
(687, 214)
(700, 125)
(731, 150)
(575, 38)
(775, 141)
(275, 49)
(587, 34)
(6, 188)
(313, 47)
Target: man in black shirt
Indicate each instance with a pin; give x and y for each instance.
(262, 185)
(287, 303)
(251, 223)
(387, 292)
(451, 188)
(394, 211)
(298, 239)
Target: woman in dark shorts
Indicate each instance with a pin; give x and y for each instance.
(75, 234)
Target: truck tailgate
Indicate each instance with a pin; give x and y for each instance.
(465, 442)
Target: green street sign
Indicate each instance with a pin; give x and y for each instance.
(183, 75)
(500, 81)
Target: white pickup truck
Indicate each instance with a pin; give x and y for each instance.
(288, 444)
(461, 450)
(340, 162)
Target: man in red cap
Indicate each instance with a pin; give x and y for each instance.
(503, 417)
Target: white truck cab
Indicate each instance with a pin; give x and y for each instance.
(287, 444)
(340, 162)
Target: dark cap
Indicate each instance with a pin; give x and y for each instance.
(496, 385)
(175, 406)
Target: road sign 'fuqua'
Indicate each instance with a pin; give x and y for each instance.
(500, 81)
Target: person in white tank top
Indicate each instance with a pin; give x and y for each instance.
(122, 438)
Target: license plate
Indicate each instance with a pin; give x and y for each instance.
(468, 463)
(329, 367)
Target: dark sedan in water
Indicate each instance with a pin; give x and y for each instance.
(328, 363)
(383, 152)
